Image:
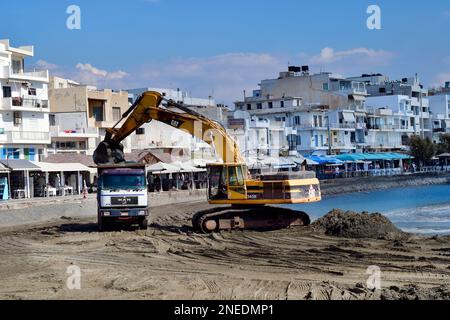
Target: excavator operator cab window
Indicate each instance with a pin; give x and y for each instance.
(235, 176)
(217, 188)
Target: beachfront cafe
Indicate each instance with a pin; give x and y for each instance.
(20, 179)
(175, 176)
(361, 164)
(376, 164)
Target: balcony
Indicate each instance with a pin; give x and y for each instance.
(265, 111)
(35, 75)
(37, 137)
(21, 104)
(58, 132)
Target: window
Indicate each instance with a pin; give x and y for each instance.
(281, 104)
(6, 92)
(249, 106)
(116, 113)
(66, 145)
(299, 140)
(31, 91)
(316, 140)
(296, 120)
(325, 87)
(52, 119)
(16, 66)
(315, 121)
(140, 131)
(270, 105)
(17, 118)
(259, 106)
(97, 112)
(30, 154)
(10, 153)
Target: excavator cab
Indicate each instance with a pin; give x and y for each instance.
(227, 182)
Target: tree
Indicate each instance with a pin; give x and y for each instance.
(423, 150)
(444, 145)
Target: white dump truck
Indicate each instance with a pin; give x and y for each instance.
(122, 196)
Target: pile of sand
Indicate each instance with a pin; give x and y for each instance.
(358, 225)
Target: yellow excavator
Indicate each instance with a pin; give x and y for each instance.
(229, 183)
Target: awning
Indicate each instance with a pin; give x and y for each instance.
(301, 160)
(322, 160)
(19, 165)
(444, 155)
(388, 156)
(3, 169)
(63, 167)
(186, 167)
(357, 97)
(348, 116)
(163, 168)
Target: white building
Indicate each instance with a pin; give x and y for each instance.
(440, 110)
(80, 115)
(24, 105)
(318, 112)
(416, 104)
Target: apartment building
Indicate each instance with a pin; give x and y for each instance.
(440, 110)
(80, 115)
(417, 107)
(319, 112)
(24, 105)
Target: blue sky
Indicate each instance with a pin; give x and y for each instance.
(221, 47)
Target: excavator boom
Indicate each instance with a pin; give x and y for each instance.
(148, 108)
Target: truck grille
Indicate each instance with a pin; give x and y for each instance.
(124, 201)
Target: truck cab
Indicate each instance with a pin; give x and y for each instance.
(122, 196)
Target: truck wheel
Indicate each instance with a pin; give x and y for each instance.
(143, 224)
(102, 225)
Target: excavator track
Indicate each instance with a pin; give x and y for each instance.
(248, 218)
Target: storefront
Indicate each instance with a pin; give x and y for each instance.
(61, 179)
(21, 181)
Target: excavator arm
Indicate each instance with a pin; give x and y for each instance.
(148, 108)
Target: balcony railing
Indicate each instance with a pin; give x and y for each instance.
(43, 74)
(27, 103)
(58, 131)
(32, 136)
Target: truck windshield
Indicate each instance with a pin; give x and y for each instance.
(127, 182)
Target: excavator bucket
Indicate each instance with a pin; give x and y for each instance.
(109, 152)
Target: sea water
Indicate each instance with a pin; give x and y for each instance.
(422, 210)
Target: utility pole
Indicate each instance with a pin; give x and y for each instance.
(329, 136)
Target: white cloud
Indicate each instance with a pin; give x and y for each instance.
(225, 76)
(222, 76)
(42, 64)
(90, 69)
(329, 55)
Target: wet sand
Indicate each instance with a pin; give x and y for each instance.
(169, 261)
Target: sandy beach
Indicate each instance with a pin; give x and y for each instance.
(169, 261)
